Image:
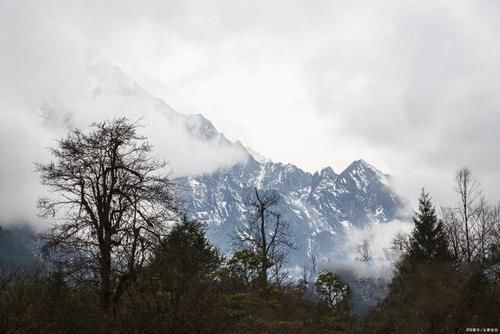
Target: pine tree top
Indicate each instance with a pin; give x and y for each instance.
(428, 241)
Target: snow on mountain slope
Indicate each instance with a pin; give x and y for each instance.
(256, 155)
(317, 206)
(189, 143)
(218, 176)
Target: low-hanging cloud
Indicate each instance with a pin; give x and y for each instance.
(30, 130)
(414, 86)
(52, 83)
(379, 238)
(409, 86)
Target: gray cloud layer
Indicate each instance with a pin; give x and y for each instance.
(410, 86)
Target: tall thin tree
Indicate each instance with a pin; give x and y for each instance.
(266, 235)
(469, 193)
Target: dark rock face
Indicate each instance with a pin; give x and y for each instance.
(317, 206)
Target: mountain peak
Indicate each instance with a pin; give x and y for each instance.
(201, 127)
(360, 165)
(361, 175)
(106, 78)
(328, 172)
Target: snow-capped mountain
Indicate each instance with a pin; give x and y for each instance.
(319, 207)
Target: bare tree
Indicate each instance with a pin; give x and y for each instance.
(399, 245)
(308, 272)
(469, 192)
(495, 233)
(461, 223)
(452, 231)
(111, 204)
(266, 235)
(365, 251)
(400, 242)
(485, 229)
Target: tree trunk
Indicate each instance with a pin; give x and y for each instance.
(106, 289)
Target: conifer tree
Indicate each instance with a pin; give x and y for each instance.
(428, 239)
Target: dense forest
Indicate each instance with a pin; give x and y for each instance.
(121, 257)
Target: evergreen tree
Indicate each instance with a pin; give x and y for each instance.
(182, 281)
(428, 239)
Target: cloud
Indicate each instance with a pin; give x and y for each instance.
(379, 237)
(52, 85)
(409, 86)
(166, 130)
(413, 86)
(29, 131)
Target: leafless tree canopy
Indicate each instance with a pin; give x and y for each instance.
(308, 272)
(266, 235)
(472, 225)
(400, 242)
(365, 251)
(111, 205)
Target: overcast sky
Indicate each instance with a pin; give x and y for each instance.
(413, 87)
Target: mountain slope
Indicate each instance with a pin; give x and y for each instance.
(317, 206)
(16, 245)
(217, 175)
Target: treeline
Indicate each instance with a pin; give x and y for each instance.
(186, 287)
(121, 257)
(448, 279)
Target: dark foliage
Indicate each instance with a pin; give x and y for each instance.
(428, 240)
(434, 292)
(185, 288)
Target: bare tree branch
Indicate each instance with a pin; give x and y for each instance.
(111, 202)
